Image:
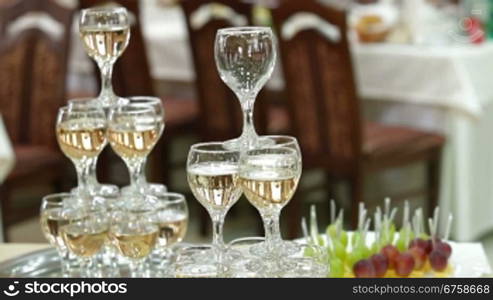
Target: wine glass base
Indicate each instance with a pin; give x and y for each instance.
(305, 267)
(282, 249)
(112, 101)
(151, 188)
(242, 144)
(102, 190)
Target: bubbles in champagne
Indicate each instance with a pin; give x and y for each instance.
(245, 58)
(105, 43)
(82, 138)
(215, 185)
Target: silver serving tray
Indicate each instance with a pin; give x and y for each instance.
(41, 263)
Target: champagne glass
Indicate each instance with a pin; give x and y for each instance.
(134, 232)
(212, 173)
(57, 211)
(96, 188)
(133, 131)
(277, 141)
(153, 188)
(105, 33)
(81, 135)
(86, 237)
(245, 58)
(269, 177)
(171, 217)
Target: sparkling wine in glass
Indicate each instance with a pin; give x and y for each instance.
(81, 135)
(133, 131)
(245, 58)
(171, 217)
(86, 238)
(212, 173)
(105, 34)
(269, 178)
(57, 212)
(133, 231)
(152, 188)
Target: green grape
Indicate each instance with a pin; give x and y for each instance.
(365, 251)
(321, 240)
(309, 252)
(391, 232)
(375, 248)
(401, 244)
(424, 236)
(332, 231)
(330, 252)
(343, 238)
(355, 256)
(340, 250)
(356, 238)
(336, 268)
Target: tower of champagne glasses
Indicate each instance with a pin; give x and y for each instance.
(100, 230)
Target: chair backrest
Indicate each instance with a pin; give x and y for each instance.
(220, 111)
(321, 90)
(34, 47)
(131, 74)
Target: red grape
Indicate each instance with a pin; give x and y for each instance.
(364, 269)
(418, 242)
(444, 248)
(404, 264)
(380, 263)
(438, 260)
(391, 252)
(429, 246)
(419, 256)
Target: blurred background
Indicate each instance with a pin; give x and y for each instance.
(388, 98)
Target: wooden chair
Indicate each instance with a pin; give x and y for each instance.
(325, 111)
(132, 77)
(33, 68)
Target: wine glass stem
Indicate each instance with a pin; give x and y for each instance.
(142, 171)
(249, 134)
(217, 231)
(106, 76)
(91, 170)
(64, 262)
(217, 237)
(136, 169)
(81, 167)
(272, 231)
(137, 268)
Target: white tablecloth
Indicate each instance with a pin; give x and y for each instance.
(445, 89)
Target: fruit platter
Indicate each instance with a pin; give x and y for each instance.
(416, 249)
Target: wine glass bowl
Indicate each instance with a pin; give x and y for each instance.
(245, 59)
(172, 219)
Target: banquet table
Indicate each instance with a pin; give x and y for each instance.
(469, 259)
(439, 88)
